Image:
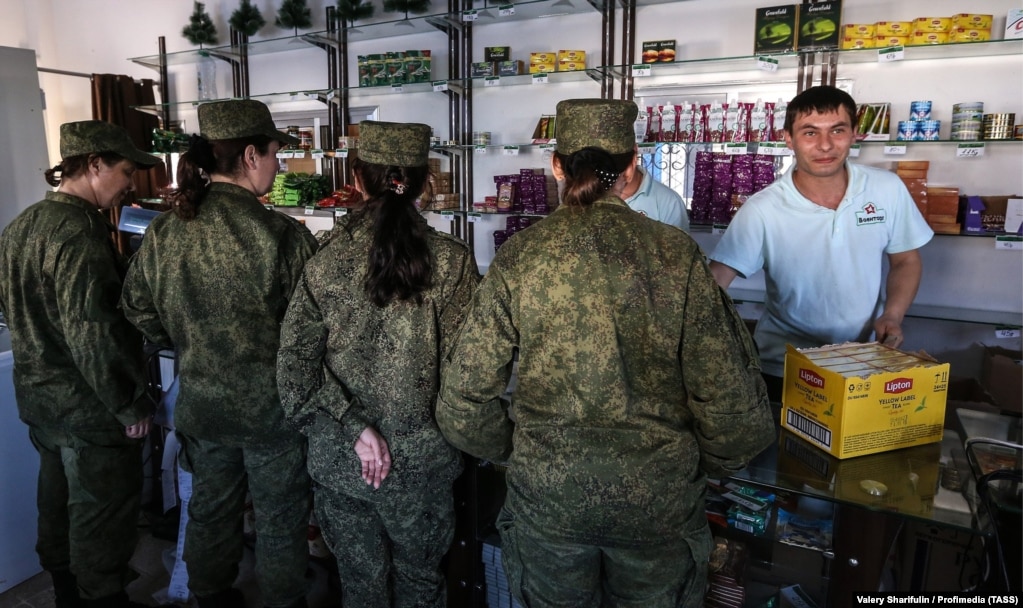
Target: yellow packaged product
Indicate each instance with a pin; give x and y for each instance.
(963, 34)
(857, 43)
(546, 57)
(920, 38)
(577, 56)
(972, 21)
(859, 30)
(542, 68)
(893, 28)
(881, 42)
(932, 24)
(571, 66)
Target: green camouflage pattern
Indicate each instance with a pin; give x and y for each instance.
(95, 136)
(389, 554)
(89, 498)
(394, 143)
(215, 288)
(238, 118)
(78, 363)
(345, 364)
(601, 123)
(635, 377)
(277, 479)
(542, 572)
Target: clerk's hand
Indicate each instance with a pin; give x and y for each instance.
(375, 456)
(140, 429)
(888, 331)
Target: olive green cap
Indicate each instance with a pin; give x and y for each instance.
(399, 144)
(238, 118)
(601, 123)
(96, 136)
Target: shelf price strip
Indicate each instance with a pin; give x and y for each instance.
(506, 10)
(890, 54)
(473, 217)
(641, 69)
(1007, 332)
(439, 86)
(895, 149)
(767, 64)
(1009, 241)
(540, 78)
(969, 150)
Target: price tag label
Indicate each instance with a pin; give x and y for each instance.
(540, 78)
(547, 146)
(293, 96)
(854, 151)
(735, 149)
(647, 147)
(511, 150)
(480, 149)
(969, 150)
(474, 217)
(282, 154)
(397, 88)
(1009, 241)
(469, 15)
(491, 81)
(718, 228)
(890, 54)
(298, 154)
(1007, 332)
(310, 209)
(316, 154)
(506, 10)
(439, 86)
(340, 211)
(767, 64)
(448, 215)
(895, 149)
(341, 153)
(641, 69)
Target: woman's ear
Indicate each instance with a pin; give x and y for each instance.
(556, 170)
(249, 157)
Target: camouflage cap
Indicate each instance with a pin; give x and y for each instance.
(394, 143)
(95, 136)
(600, 123)
(237, 118)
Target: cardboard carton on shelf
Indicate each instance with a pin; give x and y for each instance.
(854, 399)
(1002, 377)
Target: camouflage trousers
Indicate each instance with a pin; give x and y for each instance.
(89, 499)
(389, 553)
(544, 573)
(279, 484)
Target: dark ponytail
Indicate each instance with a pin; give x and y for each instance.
(74, 165)
(590, 173)
(203, 159)
(400, 266)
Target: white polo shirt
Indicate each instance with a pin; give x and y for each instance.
(822, 267)
(659, 202)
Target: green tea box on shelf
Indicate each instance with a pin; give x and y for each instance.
(776, 29)
(820, 25)
(854, 399)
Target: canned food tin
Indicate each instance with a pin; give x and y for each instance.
(481, 138)
(929, 130)
(305, 138)
(1017, 132)
(969, 106)
(907, 130)
(920, 110)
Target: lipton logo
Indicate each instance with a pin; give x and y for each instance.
(811, 377)
(898, 385)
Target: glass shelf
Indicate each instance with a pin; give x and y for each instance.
(321, 95)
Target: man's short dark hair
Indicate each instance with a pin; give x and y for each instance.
(821, 99)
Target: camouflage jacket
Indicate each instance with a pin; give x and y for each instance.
(635, 376)
(346, 364)
(216, 288)
(78, 363)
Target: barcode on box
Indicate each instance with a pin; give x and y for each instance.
(808, 427)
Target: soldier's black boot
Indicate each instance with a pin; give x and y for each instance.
(230, 598)
(65, 589)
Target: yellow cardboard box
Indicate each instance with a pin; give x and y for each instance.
(853, 399)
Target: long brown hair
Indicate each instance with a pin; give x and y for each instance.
(400, 265)
(590, 173)
(204, 158)
(72, 166)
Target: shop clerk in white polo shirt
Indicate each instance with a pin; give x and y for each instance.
(652, 198)
(820, 233)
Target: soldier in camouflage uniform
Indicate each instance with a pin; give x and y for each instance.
(213, 280)
(78, 365)
(359, 368)
(636, 377)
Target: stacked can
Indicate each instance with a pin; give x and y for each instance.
(919, 127)
(966, 120)
(999, 126)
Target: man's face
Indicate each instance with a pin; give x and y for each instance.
(821, 142)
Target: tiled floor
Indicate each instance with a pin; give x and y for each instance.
(153, 560)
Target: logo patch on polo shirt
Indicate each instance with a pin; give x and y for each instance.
(870, 214)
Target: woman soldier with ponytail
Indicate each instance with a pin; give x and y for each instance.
(635, 378)
(212, 280)
(359, 370)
